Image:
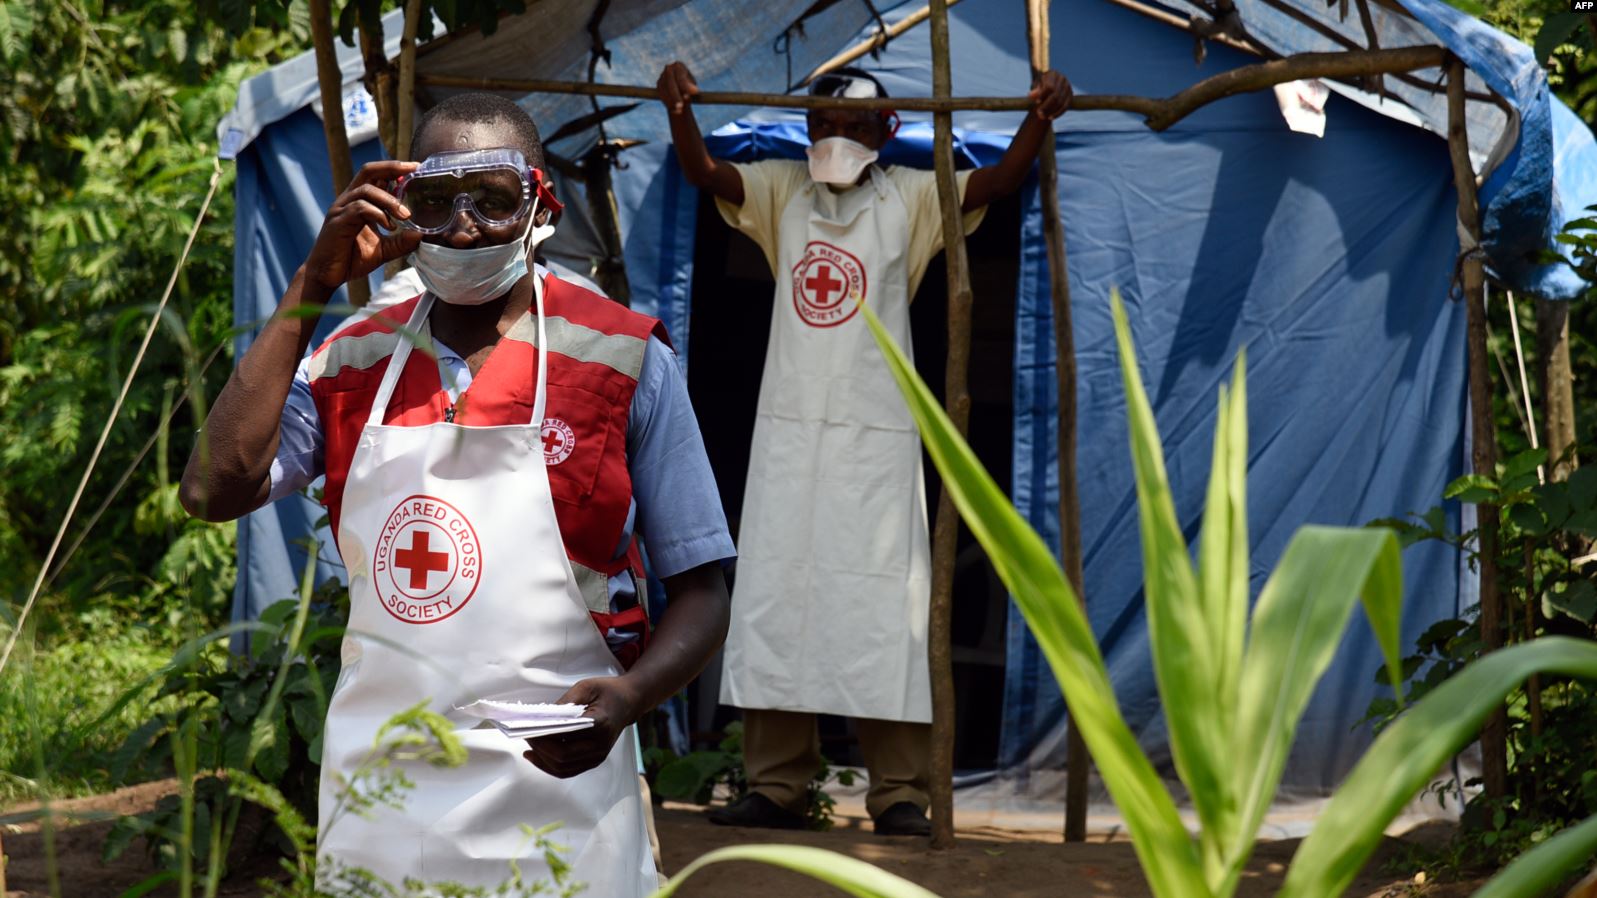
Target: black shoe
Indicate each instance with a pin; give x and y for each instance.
(903, 819)
(756, 810)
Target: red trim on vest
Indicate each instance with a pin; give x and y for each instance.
(627, 620)
(592, 487)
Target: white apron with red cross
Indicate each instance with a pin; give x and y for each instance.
(829, 611)
(460, 589)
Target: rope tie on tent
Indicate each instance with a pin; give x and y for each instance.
(783, 46)
(110, 421)
(882, 37)
(1468, 250)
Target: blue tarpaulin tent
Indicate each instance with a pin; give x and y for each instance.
(1329, 260)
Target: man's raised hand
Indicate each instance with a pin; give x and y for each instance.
(1051, 95)
(350, 245)
(677, 88)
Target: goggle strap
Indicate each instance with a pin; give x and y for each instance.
(546, 198)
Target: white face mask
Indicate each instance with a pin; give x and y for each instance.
(471, 277)
(840, 161)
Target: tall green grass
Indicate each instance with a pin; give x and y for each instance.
(51, 699)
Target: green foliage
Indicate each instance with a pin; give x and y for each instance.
(261, 715)
(856, 877)
(694, 776)
(241, 17)
(1549, 586)
(53, 705)
(1562, 41)
(107, 126)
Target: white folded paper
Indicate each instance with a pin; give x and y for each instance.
(521, 720)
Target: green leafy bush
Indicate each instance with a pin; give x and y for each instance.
(1548, 583)
(261, 715)
(51, 742)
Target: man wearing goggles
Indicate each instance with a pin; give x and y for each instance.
(485, 496)
(833, 577)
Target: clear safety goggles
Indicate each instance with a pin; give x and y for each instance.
(496, 187)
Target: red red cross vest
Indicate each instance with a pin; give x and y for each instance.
(597, 355)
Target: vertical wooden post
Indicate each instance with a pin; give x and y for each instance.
(1077, 760)
(1557, 382)
(1483, 436)
(405, 104)
(380, 81)
(331, 82)
(405, 114)
(957, 401)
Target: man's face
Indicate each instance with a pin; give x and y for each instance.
(859, 125)
(443, 136)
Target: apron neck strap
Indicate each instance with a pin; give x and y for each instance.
(406, 340)
(538, 403)
(412, 332)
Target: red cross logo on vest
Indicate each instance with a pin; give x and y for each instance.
(428, 560)
(558, 441)
(828, 285)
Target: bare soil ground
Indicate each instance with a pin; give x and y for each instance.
(988, 861)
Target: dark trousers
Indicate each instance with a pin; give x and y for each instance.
(782, 753)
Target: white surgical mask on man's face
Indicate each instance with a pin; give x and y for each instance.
(838, 160)
(471, 277)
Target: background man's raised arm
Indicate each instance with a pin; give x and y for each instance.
(677, 90)
(1050, 98)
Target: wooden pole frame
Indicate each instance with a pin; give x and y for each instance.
(1483, 435)
(1557, 383)
(1159, 113)
(330, 80)
(406, 101)
(402, 105)
(956, 399)
(1077, 760)
(1348, 65)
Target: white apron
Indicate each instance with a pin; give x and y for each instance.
(460, 589)
(829, 611)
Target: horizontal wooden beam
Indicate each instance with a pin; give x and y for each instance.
(1159, 113)
(730, 98)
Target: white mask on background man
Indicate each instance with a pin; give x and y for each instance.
(471, 277)
(838, 160)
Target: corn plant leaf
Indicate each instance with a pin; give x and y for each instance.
(1545, 866)
(1185, 653)
(1410, 751)
(1028, 568)
(1301, 616)
(856, 877)
(1223, 576)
